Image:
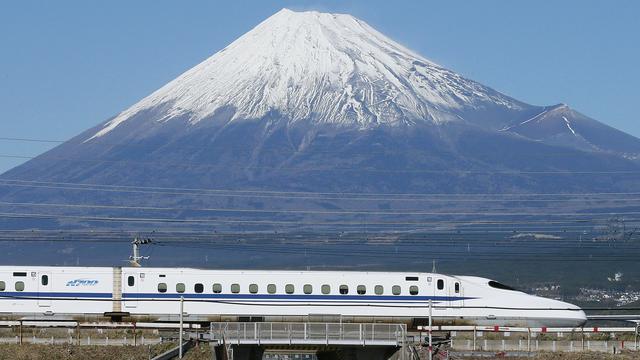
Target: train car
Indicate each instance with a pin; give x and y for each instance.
(154, 294)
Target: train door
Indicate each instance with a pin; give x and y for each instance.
(456, 293)
(441, 293)
(130, 290)
(44, 289)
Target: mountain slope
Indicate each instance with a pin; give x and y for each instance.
(563, 126)
(324, 103)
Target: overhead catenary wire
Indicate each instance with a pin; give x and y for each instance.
(415, 244)
(601, 236)
(450, 237)
(421, 255)
(361, 240)
(410, 255)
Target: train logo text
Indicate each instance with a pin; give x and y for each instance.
(82, 282)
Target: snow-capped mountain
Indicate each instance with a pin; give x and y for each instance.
(318, 102)
(324, 68)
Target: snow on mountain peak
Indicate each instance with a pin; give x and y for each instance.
(321, 67)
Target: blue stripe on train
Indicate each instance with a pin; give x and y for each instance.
(35, 294)
(249, 297)
(267, 297)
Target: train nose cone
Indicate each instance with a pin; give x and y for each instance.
(569, 315)
(582, 319)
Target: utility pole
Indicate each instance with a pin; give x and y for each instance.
(181, 327)
(135, 257)
(430, 330)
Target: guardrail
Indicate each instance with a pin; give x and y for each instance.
(122, 340)
(257, 333)
(593, 329)
(526, 339)
(75, 329)
(542, 345)
(96, 325)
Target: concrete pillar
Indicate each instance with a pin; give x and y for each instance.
(247, 352)
(359, 353)
(219, 352)
(367, 352)
(214, 352)
(328, 355)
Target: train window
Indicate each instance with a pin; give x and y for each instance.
(131, 281)
(19, 274)
(217, 288)
(45, 280)
(456, 288)
(326, 289)
(253, 288)
(379, 290)
(180, 287)
(361, 289)
(440, 284)
(344, 289)
(271, 288)
(19, 286)
(235, 288)
(162, 287)
(198, 288)
(2, 286)
(411, 278)
(307, 289)
(289, 288)
(413, 290)
(395, 290)
(497, 285)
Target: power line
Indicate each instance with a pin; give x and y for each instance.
(319, 195)
(448, 237)
(306, 193)
(405, 253)
(447, 242)
(317, 212)
(290, 151)
(414, 254)
(30, 140)
(221, 221)
(336, 169)
(360, 240)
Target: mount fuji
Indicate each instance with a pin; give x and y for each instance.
(318, 102)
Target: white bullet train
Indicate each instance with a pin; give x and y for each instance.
(154, 294)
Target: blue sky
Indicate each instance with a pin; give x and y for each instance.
(66, 66)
